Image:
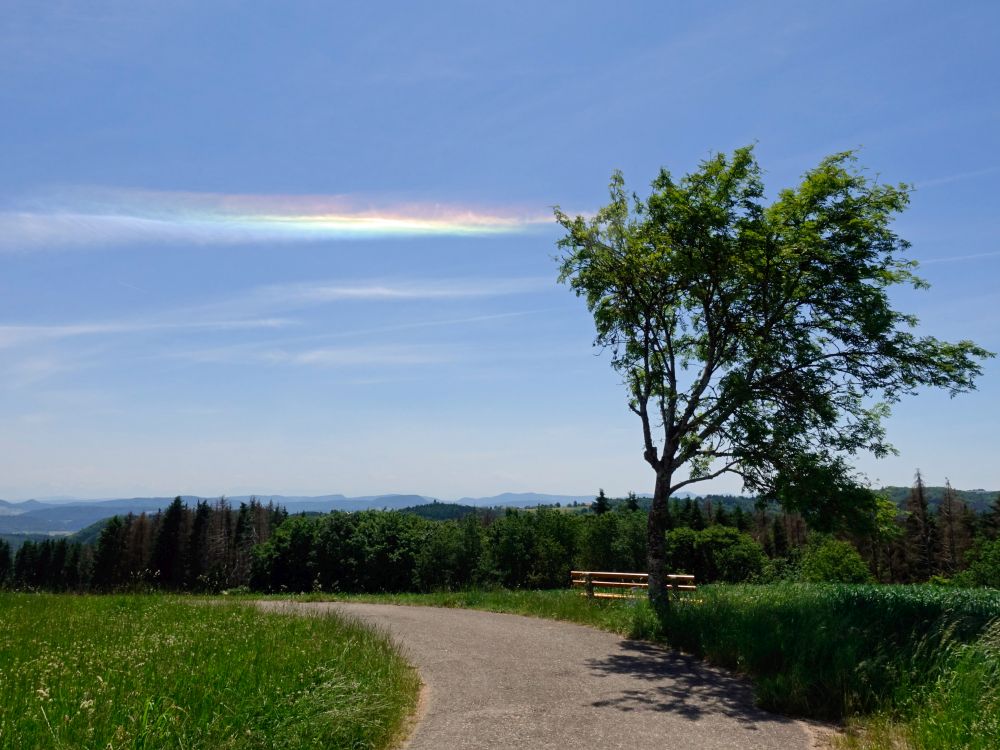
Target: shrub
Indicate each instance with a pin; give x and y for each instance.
(718, 553)
(828, 560)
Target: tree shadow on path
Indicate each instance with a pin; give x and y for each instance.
(678, 684)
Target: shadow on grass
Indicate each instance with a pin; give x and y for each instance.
(679, 684)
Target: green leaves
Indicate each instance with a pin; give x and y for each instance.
(755, 338)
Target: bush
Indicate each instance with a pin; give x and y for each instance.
(718, 553)
(828, 560)
(984, 565)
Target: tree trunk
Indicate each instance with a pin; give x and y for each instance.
(656, 529)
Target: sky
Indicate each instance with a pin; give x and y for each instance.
(306, 247)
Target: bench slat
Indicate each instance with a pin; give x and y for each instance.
(606, 574)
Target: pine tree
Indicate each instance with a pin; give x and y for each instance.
(600, 506)
(631, 502)
(6, 563)
(109, 557)
(167, 563)
(740, 519)
(697, 517)
(197, 547)
(953, 532)
(919, 536)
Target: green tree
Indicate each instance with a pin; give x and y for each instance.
(919, 535)
(109, 559)
(984, 565)
(600, 504)
(991, 520)
(167, 562)
(631, 503)
(6, 562)
(758, 340)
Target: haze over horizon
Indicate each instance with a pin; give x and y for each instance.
(303, 248)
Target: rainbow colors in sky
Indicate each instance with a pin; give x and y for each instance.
(108, 216)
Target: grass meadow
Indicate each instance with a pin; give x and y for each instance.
(162, 672)
(904, 666)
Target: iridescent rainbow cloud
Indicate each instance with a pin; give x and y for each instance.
(104, 216)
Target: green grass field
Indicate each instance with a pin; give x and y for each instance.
(908, 666)
(165, 672)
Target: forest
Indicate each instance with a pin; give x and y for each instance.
(215, 547)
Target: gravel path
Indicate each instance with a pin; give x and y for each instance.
(504, 681)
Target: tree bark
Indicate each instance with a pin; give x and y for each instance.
(656, 529)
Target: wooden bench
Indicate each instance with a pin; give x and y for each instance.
(634, 582)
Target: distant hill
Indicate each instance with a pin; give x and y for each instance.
(32, 517)
(90, 534)
(50, 517)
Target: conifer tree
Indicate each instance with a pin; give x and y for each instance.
(953, 535)
(696, 516)
(631, 502)
(167, 562)
(197, 547)
(109, 557)
(919, 536)
(600, 506)
(740, 519)
(6, 563)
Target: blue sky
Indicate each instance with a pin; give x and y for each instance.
(169, 323)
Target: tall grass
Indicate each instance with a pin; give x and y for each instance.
(831, 650)
(158, 672)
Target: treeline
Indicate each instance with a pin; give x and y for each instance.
(212, 547)
(374, 551)
(205, 548)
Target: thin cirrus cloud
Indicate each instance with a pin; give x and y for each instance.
(20, 335)
(253, 310)
(302, 294)
(960, 258)
(375, 355)
(106, 217)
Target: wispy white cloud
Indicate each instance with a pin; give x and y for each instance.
(959, 177)
(310, 293)
(360, 356)
(960, 258)
(17, 335)
(379, 355)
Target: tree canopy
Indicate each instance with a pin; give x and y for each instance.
(759, 339)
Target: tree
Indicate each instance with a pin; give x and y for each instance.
(631, 503)
(991, 520)
(754, 339)
(919, 536)
(600, 504)
(6, 562)
(167, 562)
(953, 532)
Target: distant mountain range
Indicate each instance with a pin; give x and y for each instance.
(65, 516)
